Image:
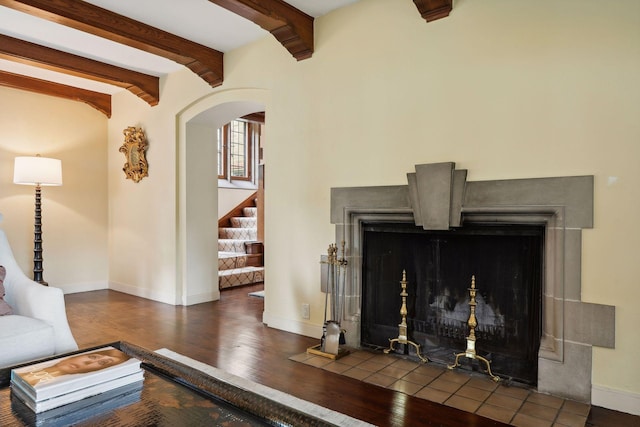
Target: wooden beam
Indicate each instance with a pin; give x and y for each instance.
(290, 26)
(434, 9)
(143, 85)
(202, 60)
(97, 100)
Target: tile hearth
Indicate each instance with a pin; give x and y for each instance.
(467, 391)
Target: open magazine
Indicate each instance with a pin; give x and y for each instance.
(57, 377)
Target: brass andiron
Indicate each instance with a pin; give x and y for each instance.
(470, 352)
(402, 336)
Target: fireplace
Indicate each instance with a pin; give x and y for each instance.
(507, 263)
(442, 212)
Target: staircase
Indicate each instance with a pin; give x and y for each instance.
(240, 258)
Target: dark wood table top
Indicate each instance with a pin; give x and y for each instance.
(172, 394)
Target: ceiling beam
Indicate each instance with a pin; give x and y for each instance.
(143, 85)
(290, 26)
(434, 9)
(97, 100)
(202, 60)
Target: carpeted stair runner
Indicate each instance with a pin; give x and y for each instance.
(232, 252)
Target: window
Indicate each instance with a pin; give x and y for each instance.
(237, 143)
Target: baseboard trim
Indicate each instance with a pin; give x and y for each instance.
(618, 400)
(296, 327)
(143, 293)
(83, 287)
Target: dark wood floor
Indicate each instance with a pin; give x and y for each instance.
(229, 334)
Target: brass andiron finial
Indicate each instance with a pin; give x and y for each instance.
(402, 336)
(470, 352)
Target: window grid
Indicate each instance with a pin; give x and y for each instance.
(238, 147)
(235, 149)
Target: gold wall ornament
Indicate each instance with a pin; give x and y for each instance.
(134, 147)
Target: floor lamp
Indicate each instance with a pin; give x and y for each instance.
(38, 171)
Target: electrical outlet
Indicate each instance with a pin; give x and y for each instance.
(305, 311)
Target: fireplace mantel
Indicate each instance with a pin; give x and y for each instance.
(437, 196)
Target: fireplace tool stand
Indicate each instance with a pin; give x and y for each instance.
(470, 352)
(402, 336)
(333, 335)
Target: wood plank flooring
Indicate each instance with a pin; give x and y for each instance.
(230, 335)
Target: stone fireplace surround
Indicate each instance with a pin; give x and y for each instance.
(438, 197)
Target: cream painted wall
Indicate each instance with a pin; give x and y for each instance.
(506, 90)
(74, 216)
(143, 216)
(229, 198)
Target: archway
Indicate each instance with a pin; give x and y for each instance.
(197, 232)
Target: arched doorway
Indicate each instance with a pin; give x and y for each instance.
(196, 173)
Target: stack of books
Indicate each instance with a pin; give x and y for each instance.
(73, 382)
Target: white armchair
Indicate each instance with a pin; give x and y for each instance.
(38, 326)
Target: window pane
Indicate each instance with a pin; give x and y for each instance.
(238, 149)
(220, 152)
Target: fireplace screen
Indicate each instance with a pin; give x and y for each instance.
(507, 263)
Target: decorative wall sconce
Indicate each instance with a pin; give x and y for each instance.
(134, 147)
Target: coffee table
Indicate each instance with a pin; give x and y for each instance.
(172, 394)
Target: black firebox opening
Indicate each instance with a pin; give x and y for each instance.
(507, 263)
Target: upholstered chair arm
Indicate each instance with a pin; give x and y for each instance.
(31, 299)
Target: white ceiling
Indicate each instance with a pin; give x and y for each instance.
(198, 20)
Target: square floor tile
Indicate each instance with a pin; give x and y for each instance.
(356, 373)
(455, 377)
(484, 383)
(430, 370)
(473, 393)
(497, 413)
(444, 385)
(392, 371)
(351, 360)
(371, 365)
(512, 391)
(570, 420)
(545, 400)
(409, 365)
(317, 361)
(380, 379)
(433, 395)
(538, 411)
(522, 420)
(383, 359)
(361, 354)
(463, 403)
(300, 357)
(406, 387)
(417, 378)
(336, 367)
(504, 401)
(576, 407)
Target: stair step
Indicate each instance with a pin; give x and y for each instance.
(232, 245)
(250, 212)
(231, 260)
(240, 276)
(244, 222)
(238, 233)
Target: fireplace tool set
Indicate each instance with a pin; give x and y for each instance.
(334, 270)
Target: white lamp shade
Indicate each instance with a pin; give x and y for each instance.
(37, 171)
